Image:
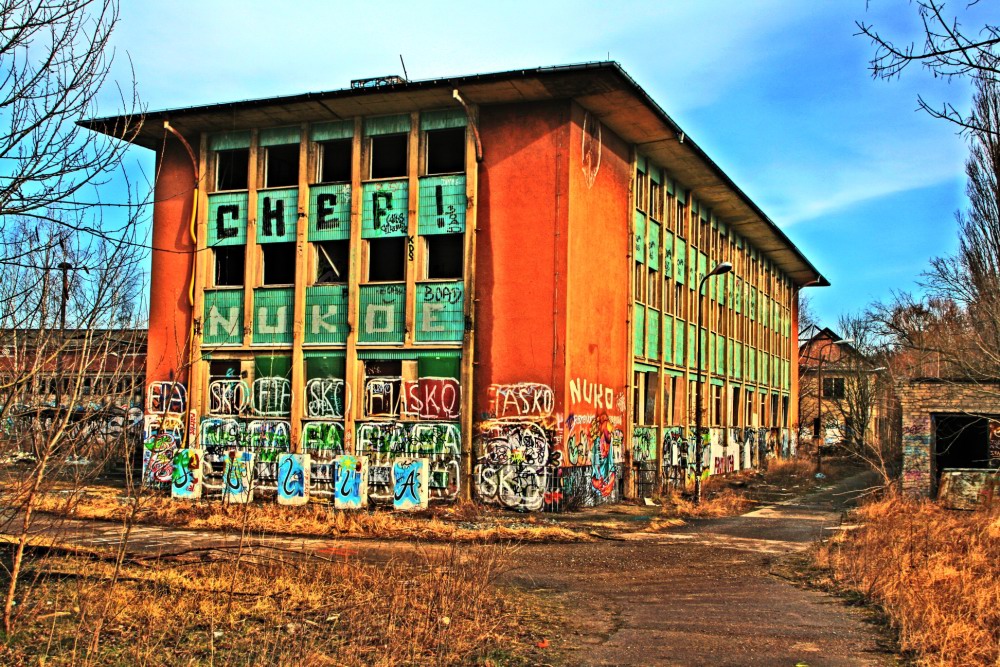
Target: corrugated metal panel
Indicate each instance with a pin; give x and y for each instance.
(670, 186)
(692, 267)
(720, 354)
(655, 174)
(682, 195)
(653, 334)
(387, 125)
(668, 255)
(654, 245)
(690, 344)
(384, 209)
(640, 237)
(680, 259)
(224, 141)
(223, 317)
(443, 119)
(442, 205)
(339, 129)
(705, 349)
(641, 163)
(751, 364)
(710, 352)
(277, 215)
(227, 219)
(639, 331)
(702, 269)
(326, 314)
(272, 321)
(330, 212)
(279, 136)
(382, 310)
(679, 341)
(668, 339)
(408, 355)
(730, 346)
(738, 360)
(265, 366)
(738, 295)
(640, 367)
(440, 315)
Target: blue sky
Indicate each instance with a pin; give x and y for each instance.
(776, 91)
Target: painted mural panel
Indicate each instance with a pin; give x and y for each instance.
(382, 317)
(410, 484)
(384, 209)
(186, 476)
(440, 315)
(330, 212)
(277, 215)
(293, 479)
(227, 219)
(442, 205)
(384, 442)
(351, 482)
(237, 477)
(273, 309)
(223, 317)
(326, 314)
(323, 441)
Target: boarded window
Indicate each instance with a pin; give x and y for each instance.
(231, 169)
(387, 259)
(446, 151)
(229, 265)
(445, 255)
(331, 261)
(335, 161)
(388, 155)
(279, 263)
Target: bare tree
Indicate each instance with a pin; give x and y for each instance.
(948, 50)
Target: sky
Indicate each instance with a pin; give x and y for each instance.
(777, 92)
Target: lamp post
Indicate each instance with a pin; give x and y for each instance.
(820, 439)
(724, 267)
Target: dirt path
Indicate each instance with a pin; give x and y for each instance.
(708, 593)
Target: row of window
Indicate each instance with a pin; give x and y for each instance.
(744, 408)
(388, 157)
(89, 385)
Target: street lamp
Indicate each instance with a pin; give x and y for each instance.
(724, 267)
(820, 439)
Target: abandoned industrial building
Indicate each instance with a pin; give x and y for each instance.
(486, 286)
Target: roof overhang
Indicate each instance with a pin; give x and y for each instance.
(603, 88)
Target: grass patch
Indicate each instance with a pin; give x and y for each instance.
(934, 572)
(263, 606)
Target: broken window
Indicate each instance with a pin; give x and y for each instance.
(229, 265)
(640, 190)
(655, 201)
(279, 263)
(335, 161)
(387, 259)
(446, 151)
(332, 258)
(231, 169)
(650, 400)
(388, 155)
(445, 254)
(281, 167)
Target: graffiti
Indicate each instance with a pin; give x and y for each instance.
(590, 151)
(595, 395)
(724, 465)
(994, 444)
(435, 398)
(228, 397)
(237, 477)
(518, 401)
(166, 398)
(293, 479)
(157, 459)
(381, 397)
(186, 474)
(512, 464)
(442, 293)
(643, 445)
(513, 486)
(439, 443)
(267, 439)
(327, 398)
(409, 484)
(352, 482)
(272, 396)
(604, 441)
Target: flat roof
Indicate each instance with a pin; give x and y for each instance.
(603, 88)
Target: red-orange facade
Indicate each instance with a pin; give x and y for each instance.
(493, 273)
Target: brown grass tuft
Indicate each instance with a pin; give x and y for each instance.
(935, 572)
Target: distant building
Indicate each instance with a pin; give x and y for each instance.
(496, 272)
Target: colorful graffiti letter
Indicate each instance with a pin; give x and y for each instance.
(409, 484)
(237, 477)
(293, 479)
(187, 476)
(351, 490)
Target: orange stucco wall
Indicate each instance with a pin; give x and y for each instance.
(172, 257)
(598, 349)
(520, 248)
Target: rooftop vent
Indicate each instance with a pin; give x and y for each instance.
(377, 81)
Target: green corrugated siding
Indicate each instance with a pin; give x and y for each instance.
(653, 334)
(752, 364)
(438, 365)
(340, 129)
(439, 315)
(653, 244)
(702, 269)
(384, 209)
(272, 322)
(640, 237)
(691, 345)
(325, 365)
(738, 360)
(272, 366)
(720, 354)
(638, 331)
(224, 141)
(277, 215)
(326, 314)
(227, 225)
(655, 174)
(443, 119)
(679, 341)
(640, 367)
(442, 205)
(705, 349)
(668, 255)
(680, 257)
(692, 267)
(381, 313)
(335, 224)
(668, 339)
(279, 136)
(730, 369)
(223, 317)
(738, 295)
(387, 125)
(408, 355)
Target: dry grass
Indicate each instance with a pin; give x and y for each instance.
(268, 607)
(461, 522)
(936, 574)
